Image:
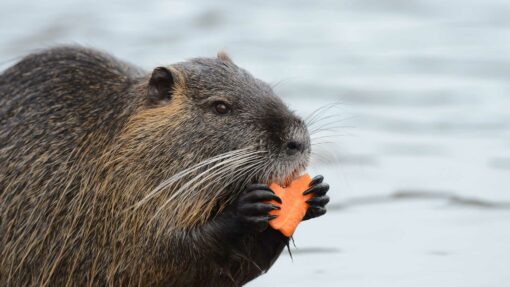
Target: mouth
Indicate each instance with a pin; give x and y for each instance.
(287, 178)
(281, 171)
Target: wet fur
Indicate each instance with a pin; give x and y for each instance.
(81, 146)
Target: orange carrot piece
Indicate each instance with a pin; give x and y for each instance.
(293, 206)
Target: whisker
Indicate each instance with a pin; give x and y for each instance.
(187, 171)
(245, 169)
(217, 174)
(310, 119)
(209, 173)
(326, 137)
(233, 161)
(329, 127)
(313, 115)
(322, 143)
(236, 176)
(326, 117)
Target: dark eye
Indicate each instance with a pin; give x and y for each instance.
(221, 108)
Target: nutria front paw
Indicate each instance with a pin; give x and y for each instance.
(317, 204)
(253, 206)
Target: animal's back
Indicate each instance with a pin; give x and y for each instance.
(51, 101)
(66, 90)
(58, 110)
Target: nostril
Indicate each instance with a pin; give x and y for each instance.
(293, 147)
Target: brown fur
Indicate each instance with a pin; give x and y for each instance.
(81, 147)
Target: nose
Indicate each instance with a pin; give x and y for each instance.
(294, 147)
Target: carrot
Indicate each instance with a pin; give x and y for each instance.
(293, 206)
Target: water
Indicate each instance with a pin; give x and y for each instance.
(420, 162)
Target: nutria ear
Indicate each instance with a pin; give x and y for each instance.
(222, 55)
(161, 86)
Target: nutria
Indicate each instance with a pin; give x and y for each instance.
(112, 176)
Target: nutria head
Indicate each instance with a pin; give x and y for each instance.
(209, 127)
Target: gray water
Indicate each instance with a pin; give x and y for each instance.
(417, 146)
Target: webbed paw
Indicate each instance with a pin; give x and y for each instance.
(253, 206)
(317, 204)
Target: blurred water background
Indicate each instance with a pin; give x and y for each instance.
(416, 140)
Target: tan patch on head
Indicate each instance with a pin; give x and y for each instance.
(222, 55)
(159, 117)
(179, 80)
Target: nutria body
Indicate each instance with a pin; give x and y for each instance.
(113, 176)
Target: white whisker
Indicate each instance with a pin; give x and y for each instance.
(187, 171)
(212, 172)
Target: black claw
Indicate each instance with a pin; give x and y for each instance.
(323, 211)
(320, 212)
(256, 219)
(258, 208)
(314, 211)
(318, 190)
(271, 217)
(316, 180)
(260, 195)
(277, 199)
(275, 207)
(318, 201)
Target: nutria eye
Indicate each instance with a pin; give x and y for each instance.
(221, 108)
